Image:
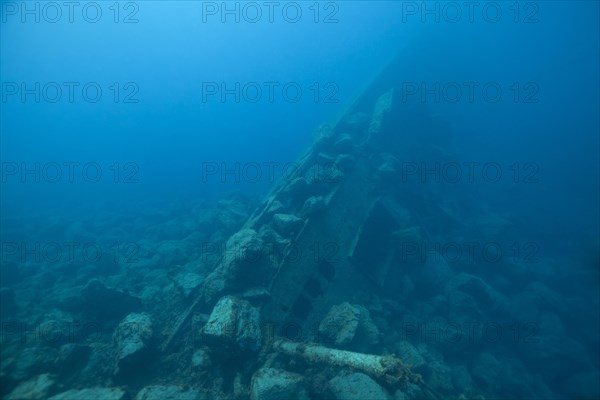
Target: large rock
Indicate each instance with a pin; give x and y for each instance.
(201, 359)
(348, 325)
(33, 361)
(287, 224)
(276, 384)
(186, 282)
(256, 295)
(169, 393)
(313, 205)
(410, 355)
(91, 393)
(132, 337)
(36, 388)
(243, 263)
(356, 386)
(487, 298)
(233, 324)
(240, 247)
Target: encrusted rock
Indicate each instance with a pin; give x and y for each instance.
(32, 361)
(131, 338)
(275, 207)
(487, 298)
(243, 261)
(347, 324)
(276, 384)
(169, 393)
(201, 359)
(235, 324)
(323, 177)
(36, 388)
(356, 386)
(410, 355)
(287, 224)
(312, 205)
(256, 295)
(91, 393)
(187, 282)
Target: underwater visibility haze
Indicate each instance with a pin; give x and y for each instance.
(347, 200)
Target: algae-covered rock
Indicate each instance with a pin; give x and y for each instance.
(131, 338)
(169, 393)
(276, 384)
(91, 393)
(348, 324)
(235, 324)
(287, 224)
(36, 388)
(356, 386)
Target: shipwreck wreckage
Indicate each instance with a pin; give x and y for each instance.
(330, 232)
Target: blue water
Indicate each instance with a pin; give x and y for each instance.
(144, 130)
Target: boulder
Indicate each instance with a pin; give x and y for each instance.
(201, 359)
(91, 393)
(287, 224)
(275, 207)
(348, 325)
(243, 251)
(256, 295)
(276, 384)
(131, 338)
(169, 393)
(487, 298)
(356, 386)
(243, 263)
(36, 388)
(234, 324)
(186, 282)
(32, 361)
(313, 205)
(410, 355)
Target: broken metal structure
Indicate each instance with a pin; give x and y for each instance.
(330, 230)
